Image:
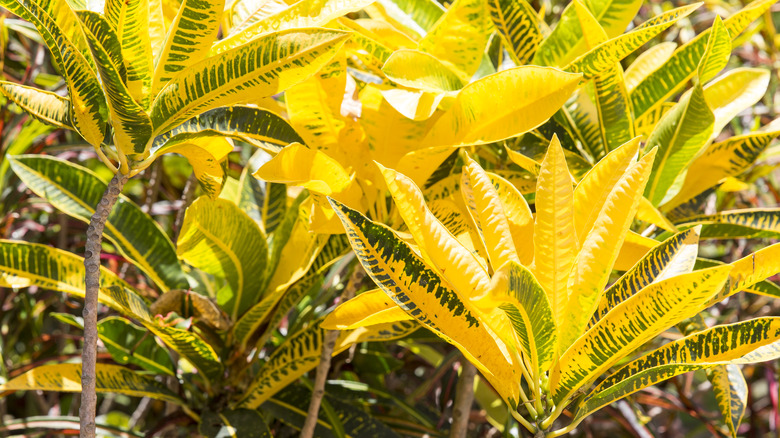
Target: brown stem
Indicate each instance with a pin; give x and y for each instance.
(328, 343)
(464, 398)
(92, 281)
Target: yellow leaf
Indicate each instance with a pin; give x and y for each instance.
(488, 214)
(591, 269)
(439, 248)
(368, 308)
(529, 95)
(555, 238)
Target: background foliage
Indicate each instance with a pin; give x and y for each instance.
(400, 388)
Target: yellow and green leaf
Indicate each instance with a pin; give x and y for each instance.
(731, 390)
(744, 342)
(189, 345)
(519, 26)
(30, 264)
(675, 256)
(66, 377)
(602, 56)
(188, 40)
(665, 81)
(679, 136)
(632, 323)
(76, 191)
(440, 249)
(302, 14)
(253, 125)
(721, 160)
(566, 42)
(525, 303)
(731, 224)
(459, 37)
(220, 239)
(132, 23)
(45, 106)
(298, 354)
(420, 291)
(88, 104)
(262, 67)
(132, 126)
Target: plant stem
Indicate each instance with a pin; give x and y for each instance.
(92, 282)
(328, 343)
(464, 398)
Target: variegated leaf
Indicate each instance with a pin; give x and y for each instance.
(45, 106)
(260, 68)
(743, 342)
(393, 265)
(188, 40)
(75, 191)
(632, 323)
(220, 239)
(66, 377)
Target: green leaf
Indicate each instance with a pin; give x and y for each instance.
(66, 377)
(744, 342)
(567, 41)
(658, 86)
(744, 223)
(220, 239)
(45, 106)
(731, 390)
(519, 26)
(132, 126)
(252, 125)
(88, 104)
(129, 343)
(75, 190)
(25, 264)
(290, 404)
(720, 160)
(189, 38)
(603, 57)
(531, 315)
(298, 354)
(233, 423)
(261, 67)
(679, 136)
(189, 345)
